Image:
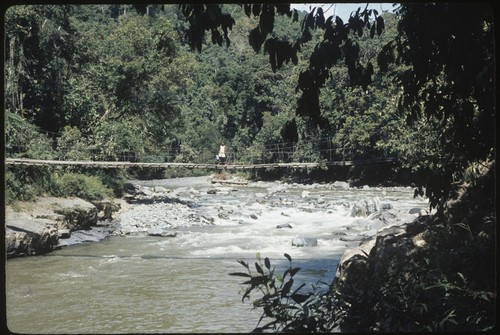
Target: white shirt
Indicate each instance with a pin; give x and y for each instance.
(222, 151)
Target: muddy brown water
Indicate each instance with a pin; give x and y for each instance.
(144, 284)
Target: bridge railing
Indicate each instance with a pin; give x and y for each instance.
(320, 150)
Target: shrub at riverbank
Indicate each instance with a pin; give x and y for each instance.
(27, 183)
(79, 185)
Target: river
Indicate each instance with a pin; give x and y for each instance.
(136, 283)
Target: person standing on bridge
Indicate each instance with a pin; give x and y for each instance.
(222, 154)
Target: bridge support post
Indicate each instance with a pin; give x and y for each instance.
(221, 170)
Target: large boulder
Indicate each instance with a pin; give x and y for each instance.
(35, 228)
(26, 236)
(365, 207)
(78, 213)
(363, 269)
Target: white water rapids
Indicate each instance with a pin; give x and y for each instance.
(135, 283)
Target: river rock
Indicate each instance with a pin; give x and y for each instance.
(146, 191)
(341, 184)
(152, 194)
(36, 230)
(300, 241)
(386, 205)
(276, 188)
(320, 202)
(207, 220)
(392, 230)
(365, 207)
(67, 213)
(160, 189)
(168, 214)
(414, 210)
(351, 238)
(367, 224)
(53, 217)
(94, 234)
(64, 233)
(78, 214)
(106, 208)
(223, 215)
(129, 188)
(284, 225)
(386, 216)
(360, 224)
(161, 232)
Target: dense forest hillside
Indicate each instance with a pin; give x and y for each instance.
(139, 83)
(109, 83)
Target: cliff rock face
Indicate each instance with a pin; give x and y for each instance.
(36, 227)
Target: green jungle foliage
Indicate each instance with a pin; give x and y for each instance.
(121, 82)
(163, 83)
(424, 297)
(79, 185)
(286, 306)
(106, 82)
(441, 59)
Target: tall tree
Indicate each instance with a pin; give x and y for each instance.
(334, 46)
(448, 48)
(39, 47)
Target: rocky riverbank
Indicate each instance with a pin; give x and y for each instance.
(404, 264)
(160, 207)
(49, 223)
(192, 231)
(436, 273)
(33, 228)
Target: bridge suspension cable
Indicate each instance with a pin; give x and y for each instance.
(305, 154)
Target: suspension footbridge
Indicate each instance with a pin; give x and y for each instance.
(125, 164)
(305, 155)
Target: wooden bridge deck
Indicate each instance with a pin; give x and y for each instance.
(121, 164)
